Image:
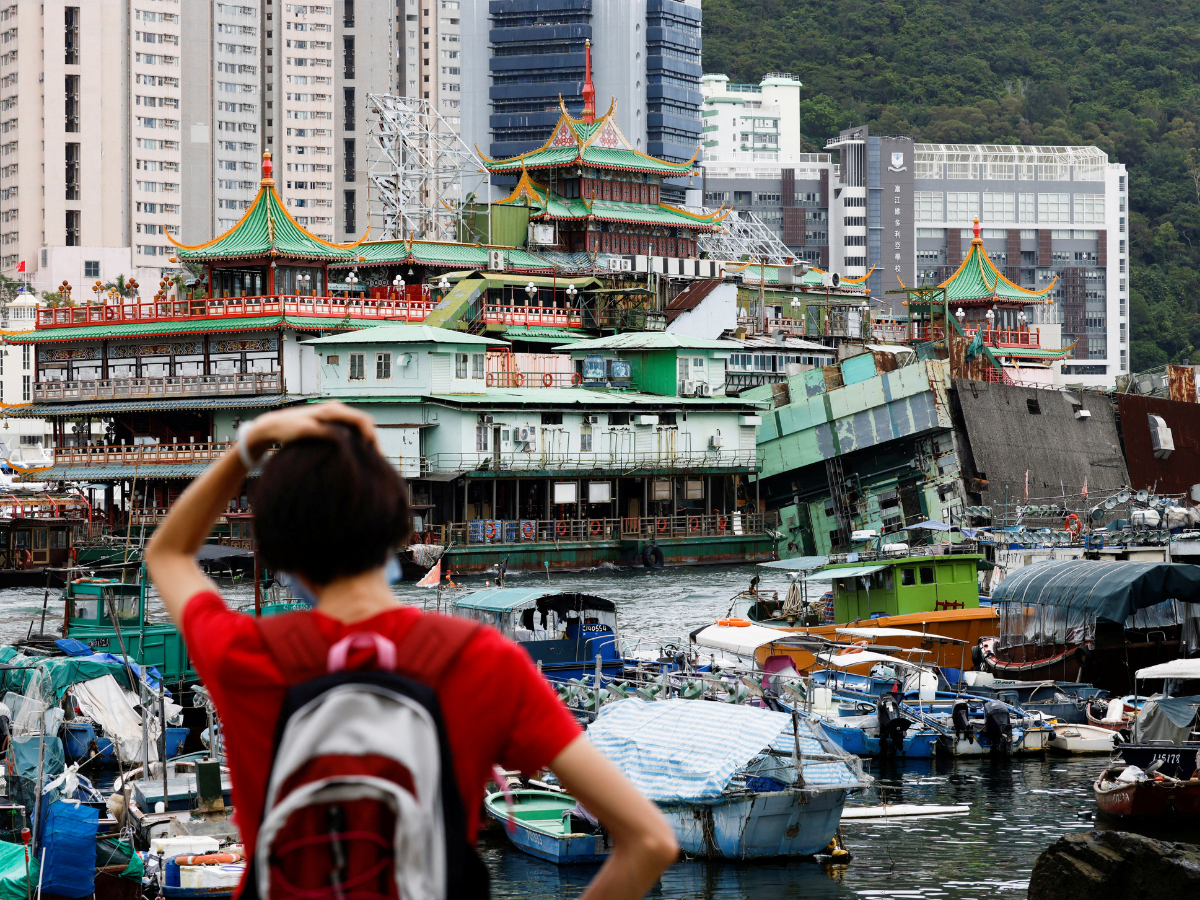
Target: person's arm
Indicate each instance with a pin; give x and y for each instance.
(171, 553)
(643, 842)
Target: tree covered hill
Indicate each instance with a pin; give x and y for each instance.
(1121, 75)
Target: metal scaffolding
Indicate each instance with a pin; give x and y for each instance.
(424, 177)
(744, 236)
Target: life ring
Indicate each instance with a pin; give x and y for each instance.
(596, 527)
(857, 647)
(527, 530)
(491, 379)
(662, 526)
(490, 530)
(652, 557)
(1073, 525)
(561, 526)
(575, 379)
(694, 523)
(26, 558)
(520, 378)
(547, 379)
(721, 523)
(429, 537)
(110, 312)
(735, 623)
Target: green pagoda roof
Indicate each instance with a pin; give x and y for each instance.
(267, 230)
(600, 144)
(978, 280)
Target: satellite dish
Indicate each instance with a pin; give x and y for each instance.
(1154, 500)
(1110, 503)
(1097, 514)
(1142, 495)
(1123, 497)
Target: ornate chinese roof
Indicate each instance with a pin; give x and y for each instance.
(268, 230)
(977, 279)
(546, 204)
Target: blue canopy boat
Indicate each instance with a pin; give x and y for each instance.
(562, 631)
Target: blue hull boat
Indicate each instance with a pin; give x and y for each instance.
(541, 824)
(758, 825)
(861, 739)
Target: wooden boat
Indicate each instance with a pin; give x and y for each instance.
(1105, 720)
(541, 824)
(1072, 738)
(1158, 797)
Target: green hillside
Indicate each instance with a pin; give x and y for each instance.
(1120, 75)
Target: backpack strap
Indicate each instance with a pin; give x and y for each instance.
(425, 652)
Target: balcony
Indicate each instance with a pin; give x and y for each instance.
(700, 525)
(992, 337)
(532, 315)
(516, 463)
(158, 388)
(139, 455)
(399, 310)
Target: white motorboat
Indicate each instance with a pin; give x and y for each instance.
(1082, 739)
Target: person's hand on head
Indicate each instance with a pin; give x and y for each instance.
(310, 421)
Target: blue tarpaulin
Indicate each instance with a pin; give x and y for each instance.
(18, 872)
(1108, 590)
(25, 756)
(69, 841)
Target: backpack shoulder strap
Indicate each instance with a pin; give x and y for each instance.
(427, 650)
(296, 644)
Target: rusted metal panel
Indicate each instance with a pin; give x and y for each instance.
(1181, 383)
(1178, 472)
(960, 367)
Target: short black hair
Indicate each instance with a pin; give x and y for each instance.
(328, 508)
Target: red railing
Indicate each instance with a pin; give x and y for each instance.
(533, 315)
(995, 337)
(233, 307)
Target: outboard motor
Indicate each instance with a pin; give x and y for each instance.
(997, 726)
(961, 717)
(892, 726)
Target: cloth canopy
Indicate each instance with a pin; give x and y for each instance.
(843, 572)
(103, 701)
(928, 525)
(1176, 668)
(799, 563)
(847, 660)
(896, 632)
(1109, 590)
(688, 751)
(744, 640)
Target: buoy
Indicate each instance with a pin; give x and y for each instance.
(735, 623)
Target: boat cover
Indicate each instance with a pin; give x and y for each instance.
(896, 632)
(798, 563)
(844, 572)
(689, 751)
(1176, 668)
(103, 701)
(62, 671)
(1108, 590)
(849, 660)
(18, 877)
(743, 640)
(1166, 719)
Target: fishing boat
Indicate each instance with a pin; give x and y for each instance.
(550, 826)
(735, 781)
(1075, 738)
(1128, 792)
(1064, 701)
(1090, 621)
(1166, 733)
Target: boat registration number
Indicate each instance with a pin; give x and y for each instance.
(592, 629)
(99, 642)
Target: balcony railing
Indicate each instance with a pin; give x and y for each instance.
(532, 315)
(517, 531)
(992, 337)
(139, 454)
(740, 381)
(589, 462)
(404, 310)
(532, 379)
(158, 388)
(799, 328)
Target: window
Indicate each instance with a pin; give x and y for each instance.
(961, 206)
(1089, 209)
(927, 206)
(348, 108)
(71, 35)
(908, 576)
(72, 228)
(348, 55)
(25, 390)
(552, 418)
(585, 438)
(71, 104)
(1028, 213)
(91, 268)
(927, 576)
(1034, 407)
(481, 438)
(999, 208)
(477, 365)
(71, 185)
(383, 367)
(25, 357)
(349, 211)
(348, 157)
(1054, 209)
(460, 365)
(357, 367)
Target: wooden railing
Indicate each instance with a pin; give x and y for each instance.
(233, 307)
(155, 388)
(995, 337)
(515, 531)
(588, 462)
(139, 454)
(532, 315)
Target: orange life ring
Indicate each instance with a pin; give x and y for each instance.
(857, 647)
(547, 379)
(429, 537)
(26, 558)
(490, 530)
(520, 378)
(694, 523)
(491, 379)
(561, 527)
(526, 530)
(721, 523)
(575, 379)
(662, 526)
(735, 623)
(596, 526)
(1073, 524)
(110, 312)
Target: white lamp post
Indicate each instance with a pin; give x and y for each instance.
(531, 291)
(351, 280)
(398, 286)
(960, 315)
(303, 279)
(991, 319)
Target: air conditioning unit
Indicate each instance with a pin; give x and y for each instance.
(495, 260)
(522, 434)
(717, 441)
(831, 279)
(794, 274)
(542, 234)
(486, 420)
(619, 264)
(687, 388)
(645, 419)
(591, 420)
(703, 389)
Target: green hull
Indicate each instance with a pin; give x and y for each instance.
(160, 646)
(564, 556)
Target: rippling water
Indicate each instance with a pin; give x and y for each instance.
(1017, 807)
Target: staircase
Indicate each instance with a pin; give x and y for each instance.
(837, 492)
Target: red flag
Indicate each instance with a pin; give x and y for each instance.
(1026, 485)
(432, 577)
(1085, 489)
(21, 266)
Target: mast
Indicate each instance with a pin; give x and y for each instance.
(589, 89)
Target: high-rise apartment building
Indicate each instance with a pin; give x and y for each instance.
(521, 56)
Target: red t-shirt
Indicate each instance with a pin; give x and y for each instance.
(497, 709)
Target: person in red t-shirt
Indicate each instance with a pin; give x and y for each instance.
(330, 511)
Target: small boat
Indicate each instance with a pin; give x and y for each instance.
(1127, 792)
(1112, 715)
(1071, 738)
(548, 825)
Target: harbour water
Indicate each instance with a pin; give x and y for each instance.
(1018, 807)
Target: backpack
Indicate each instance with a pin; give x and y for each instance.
(362, 801)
